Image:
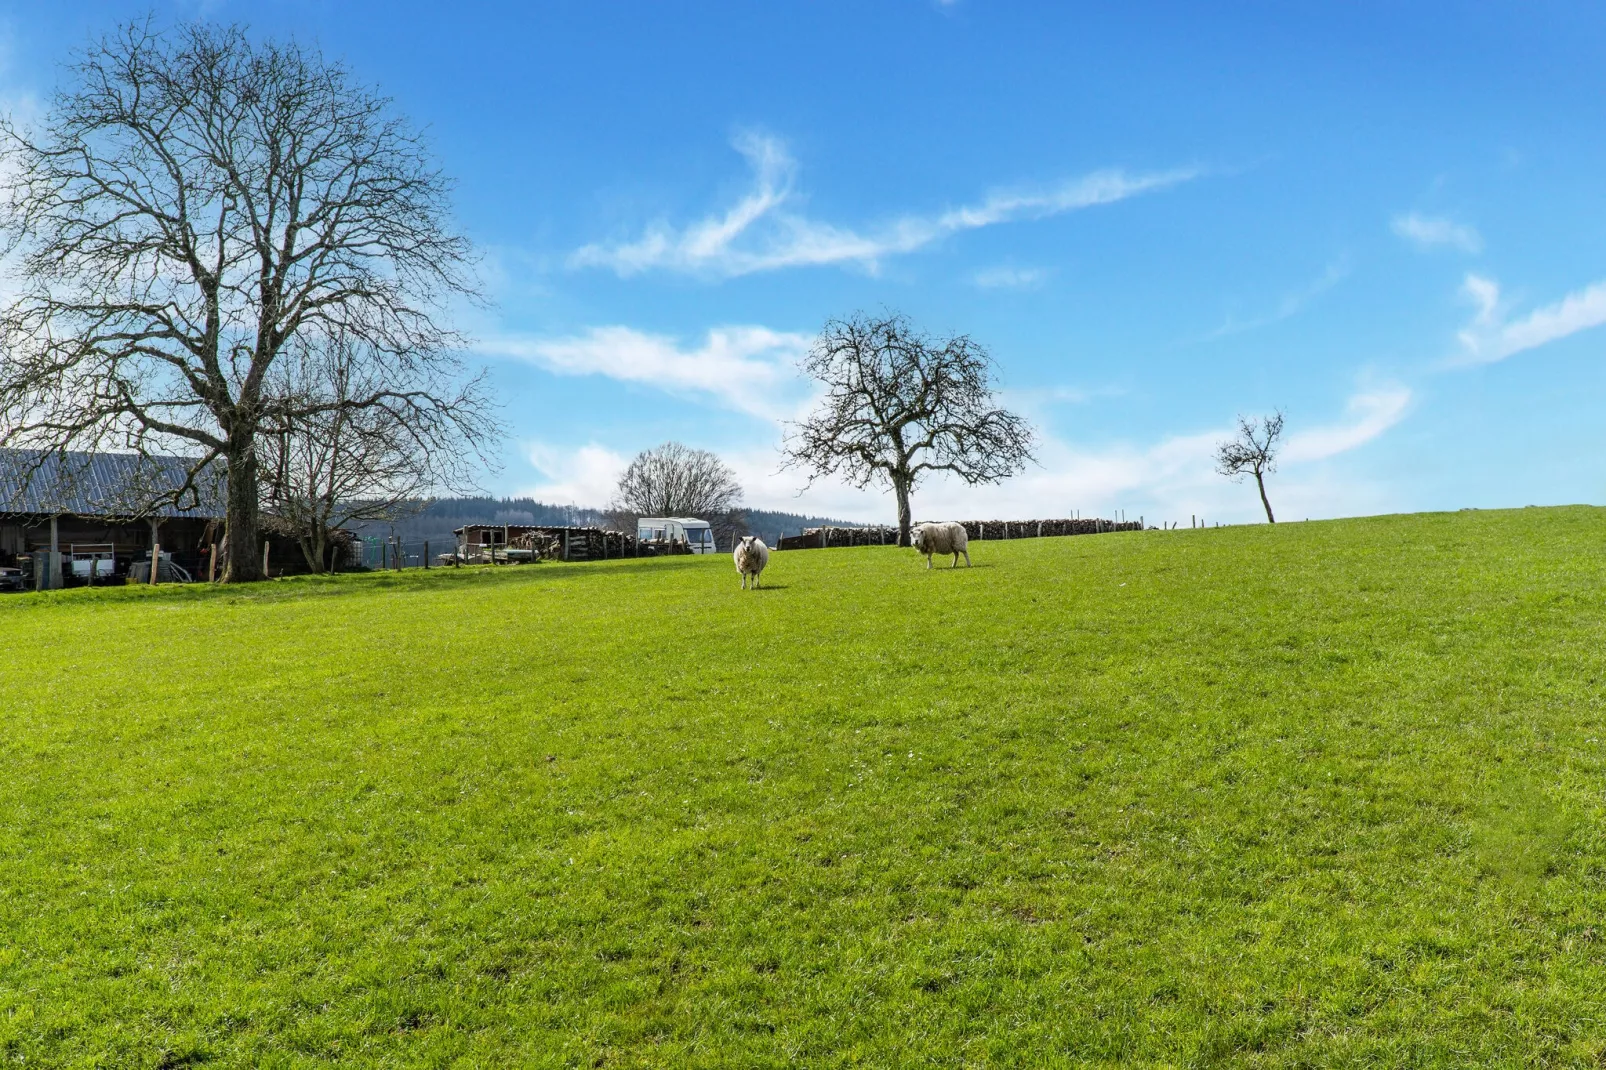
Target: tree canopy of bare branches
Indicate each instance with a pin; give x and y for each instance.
(899, 404)
(327, 463)
(676, 480)
(1253, 452)
(193, 203)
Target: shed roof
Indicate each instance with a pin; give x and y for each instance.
(102, 484)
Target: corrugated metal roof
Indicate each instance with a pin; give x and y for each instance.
(101, 484)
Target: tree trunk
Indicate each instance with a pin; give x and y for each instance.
(312, 548)
(1260, 482)
(901, 486)
(245, 554)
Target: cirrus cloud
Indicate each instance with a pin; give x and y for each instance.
(1492, 336)
(762, 232)
(1431, 232)
(745, 368)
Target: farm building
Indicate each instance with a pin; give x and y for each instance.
(103, 512)
(97, 511)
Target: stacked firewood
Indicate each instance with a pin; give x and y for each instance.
(581, 544)
(821, 538)
(544, 544)
(1033, 529)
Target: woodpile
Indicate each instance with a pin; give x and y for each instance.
(823, 538)
(579, 544)
(1038, 529)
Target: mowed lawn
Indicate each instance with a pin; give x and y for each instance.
(1321, 794)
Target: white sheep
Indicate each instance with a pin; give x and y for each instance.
(943, 538)
(751, 556)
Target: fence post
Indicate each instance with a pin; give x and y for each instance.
(426, 553)
(211, 565)
(156, 558)
(265, 545)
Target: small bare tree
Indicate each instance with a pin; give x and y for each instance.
(1253, 452)
(328, 462)
(676, 480)
(192, 204)
(899, 404)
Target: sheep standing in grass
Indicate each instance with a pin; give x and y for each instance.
(751, 556)
(944, 538)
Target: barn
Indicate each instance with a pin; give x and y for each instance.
(102, 512)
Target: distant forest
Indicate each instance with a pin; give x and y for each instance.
(436, 520)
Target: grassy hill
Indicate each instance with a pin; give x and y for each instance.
(1324, 794)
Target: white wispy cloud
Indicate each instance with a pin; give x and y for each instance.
(1367, 415)
(1491, 336)
(749, 369)
(763, 231)
(1005, 277)
(1291, 304)
(586, 476)
(1436, 232)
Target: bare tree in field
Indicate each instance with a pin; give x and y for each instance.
(1253, 452)
(326, 463)
(899, 404)
(192, 204)
(676, 480)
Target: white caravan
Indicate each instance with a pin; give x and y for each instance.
(694, 533)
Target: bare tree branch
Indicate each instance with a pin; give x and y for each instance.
(1253, 452)
(192, 204)
(899, 404)
(343, 443)
(676, 480)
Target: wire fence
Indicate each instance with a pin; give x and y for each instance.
(380, 553)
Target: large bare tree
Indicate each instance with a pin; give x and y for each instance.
(899, 404)
(327, 463)
(677, 480)
(193, 202)
(1252, 452)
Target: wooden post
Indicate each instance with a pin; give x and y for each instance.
(211, 565)
(426, 553)
(265, 545)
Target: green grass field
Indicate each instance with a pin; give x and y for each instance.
(1328, 794)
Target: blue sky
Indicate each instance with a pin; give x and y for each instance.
(1385, 218)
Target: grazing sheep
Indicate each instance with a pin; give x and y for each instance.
(944, 538)
(751, 555)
